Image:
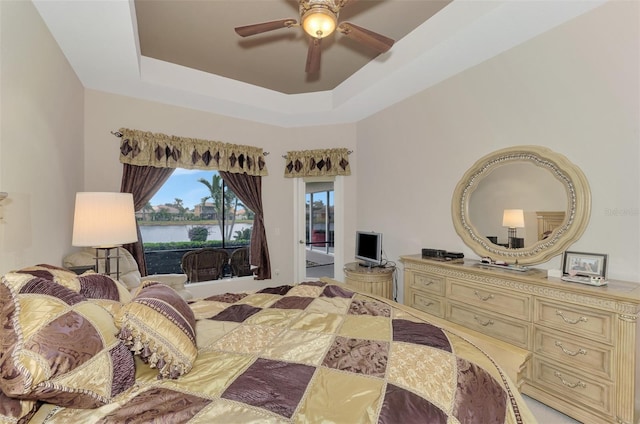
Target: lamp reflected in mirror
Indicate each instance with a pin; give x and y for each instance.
(513, 219)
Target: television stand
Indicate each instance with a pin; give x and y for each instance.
(376, 280)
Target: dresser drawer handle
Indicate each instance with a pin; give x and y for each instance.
(426, 282)
(485, 298)
(423, 303)
(570, 353)
(484, 324)
(570, 321)
(570, 385)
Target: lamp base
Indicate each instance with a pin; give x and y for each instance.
(106, 257)
(511, 234)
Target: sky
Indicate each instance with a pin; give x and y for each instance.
(183, 184)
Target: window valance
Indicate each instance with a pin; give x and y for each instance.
(144, 148)
(314, 163)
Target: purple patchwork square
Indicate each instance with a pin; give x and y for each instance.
(272, 385)
(293, 302)
(236, 313)
(367, 357)
(420, 333)
(403, 406)
(281, 290)
(335, 291)
(475, 387)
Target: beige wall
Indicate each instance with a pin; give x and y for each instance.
(41, 143)
(105, 113)
(574, 90)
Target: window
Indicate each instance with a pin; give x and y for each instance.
(193, 209)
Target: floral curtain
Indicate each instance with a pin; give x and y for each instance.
(316, 163)
(144, 148)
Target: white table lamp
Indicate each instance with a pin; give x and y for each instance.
(104, 221)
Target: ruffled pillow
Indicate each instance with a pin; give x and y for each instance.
(58, 347)
(159, 326)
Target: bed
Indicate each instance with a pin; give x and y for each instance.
(83, 349)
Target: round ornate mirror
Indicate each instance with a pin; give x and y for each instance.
(550, 195)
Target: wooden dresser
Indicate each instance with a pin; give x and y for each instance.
(584, 340)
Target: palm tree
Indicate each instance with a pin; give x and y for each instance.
(179, 205)
(225, 203)
(146, 209)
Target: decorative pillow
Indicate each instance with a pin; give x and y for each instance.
(101, 288)
(52, 273)
(58, 347)
(159, 326)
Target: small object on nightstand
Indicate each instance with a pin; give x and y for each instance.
(555, 273)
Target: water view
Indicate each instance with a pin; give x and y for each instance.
(168, 233)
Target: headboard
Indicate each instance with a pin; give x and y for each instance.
(548, 221)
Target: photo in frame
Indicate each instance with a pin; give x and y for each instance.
(584, 264)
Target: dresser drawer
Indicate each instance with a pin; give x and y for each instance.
(574, 352)
(425, 303)
(592, 323)
(511, 303)
(429, 283)
(499, 326)
(590, 393)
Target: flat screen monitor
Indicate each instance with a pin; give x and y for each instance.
(369, 248)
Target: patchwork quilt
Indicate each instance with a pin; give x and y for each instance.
(310, 353)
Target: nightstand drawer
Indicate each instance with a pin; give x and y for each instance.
(428, 283)
(509, 303)
(590, 392)
(501, 327)
(575, 352)
(592, 323)
(427, 304)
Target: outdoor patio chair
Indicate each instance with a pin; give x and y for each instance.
(240, 262)
(204, 264)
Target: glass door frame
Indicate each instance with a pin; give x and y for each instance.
(299, 233)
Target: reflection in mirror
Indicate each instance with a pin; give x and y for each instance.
(552, 192)
(517, 185)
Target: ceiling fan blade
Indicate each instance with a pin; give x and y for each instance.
(372, 39)
(245, 31)
(313, 56)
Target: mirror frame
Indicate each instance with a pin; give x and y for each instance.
(575, 222)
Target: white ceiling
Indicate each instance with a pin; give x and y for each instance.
(101, 40)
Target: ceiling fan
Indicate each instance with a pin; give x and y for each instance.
(319, 18)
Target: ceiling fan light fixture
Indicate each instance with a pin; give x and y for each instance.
(319, 21)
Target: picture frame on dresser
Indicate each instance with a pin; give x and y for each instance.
(585, 264)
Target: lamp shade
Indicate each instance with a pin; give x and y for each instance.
(104, 220)
(513, 218)
(319, 22)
